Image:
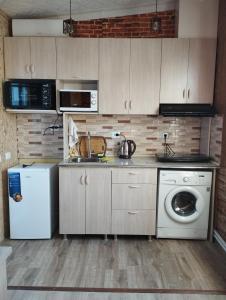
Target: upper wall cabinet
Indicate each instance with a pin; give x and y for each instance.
(187, 74)
(129, 79)
(77, 58)
(145, 62)
(114, 76)
(201, 70)
(174, 70)
(27, 58)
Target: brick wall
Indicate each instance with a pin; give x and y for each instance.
(220, 102)
(127, 26)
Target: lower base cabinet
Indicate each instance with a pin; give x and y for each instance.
(85, 200)
(137, 222)
(121, 201)
(134, 201)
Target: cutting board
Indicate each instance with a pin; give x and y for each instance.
(98, 145)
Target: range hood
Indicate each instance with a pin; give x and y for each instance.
(187, 110)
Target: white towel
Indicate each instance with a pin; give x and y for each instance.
(72, 132)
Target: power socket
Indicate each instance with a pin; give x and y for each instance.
(164, 135)
(115, 134)
(7, 155)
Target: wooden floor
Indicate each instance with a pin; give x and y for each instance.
(28, 295)
(127, 263)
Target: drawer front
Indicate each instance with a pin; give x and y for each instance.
(133, 196)
(136, 222)
(134, 175)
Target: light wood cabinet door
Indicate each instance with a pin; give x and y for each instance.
(77, 58)
(72, 200)
(114, 76)
(201, 70)
(43, 58)
(17, 57)
(145, 65)
(98, 201)
(174, 70)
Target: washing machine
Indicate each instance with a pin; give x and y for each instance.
(183, 204)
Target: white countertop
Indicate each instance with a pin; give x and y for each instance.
(140, 162)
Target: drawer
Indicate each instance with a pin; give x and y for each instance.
(133, 196)
(137, 222)
(134, 175)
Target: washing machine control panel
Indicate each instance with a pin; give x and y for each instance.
(186, 179)
(173, 177)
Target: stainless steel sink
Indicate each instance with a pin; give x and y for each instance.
(86, 160)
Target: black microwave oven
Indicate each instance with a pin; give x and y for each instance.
(32, 94)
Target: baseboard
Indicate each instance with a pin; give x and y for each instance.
(219, 239)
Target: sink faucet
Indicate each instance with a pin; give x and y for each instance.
(89, 145)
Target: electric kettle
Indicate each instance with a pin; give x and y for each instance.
(127, 149)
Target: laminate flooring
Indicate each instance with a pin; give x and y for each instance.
(129, 263)
(28, 295)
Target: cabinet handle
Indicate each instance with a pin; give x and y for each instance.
(183, 93)
(188, 93)
(81, 180)
(134, 186)
(86, 180)
(132, 212)
(27, 68)
(133, 173)
(32, 68)
(125, 105)
(130, 104)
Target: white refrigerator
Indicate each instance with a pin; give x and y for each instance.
(33, 201)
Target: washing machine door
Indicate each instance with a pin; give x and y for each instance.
(184, 204)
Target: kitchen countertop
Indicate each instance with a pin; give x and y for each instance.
(139, 162)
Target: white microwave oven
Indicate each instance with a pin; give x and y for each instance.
(78, 100)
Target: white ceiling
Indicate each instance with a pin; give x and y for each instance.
(81, 9)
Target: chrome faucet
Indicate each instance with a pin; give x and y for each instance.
(89, 145)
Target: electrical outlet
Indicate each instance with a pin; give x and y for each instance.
(7, 155)
(164, 135)
(115, 134)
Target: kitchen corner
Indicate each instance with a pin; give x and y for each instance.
(112, 155)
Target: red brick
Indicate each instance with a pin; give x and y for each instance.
(127, 26)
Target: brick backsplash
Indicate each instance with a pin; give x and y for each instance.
(184, 133)
(127, 26)
(216, 138)
(31, 141)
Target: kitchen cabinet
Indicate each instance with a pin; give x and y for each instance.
(174, 70)
(17, 57)
(98, 201)
(114, 76)
(85, 200)
(201, 70)
(134, 201)
(77, 58)
(145, 62)
(188, 70)
(43, 58)
(27, 58)
(72, 196)
(129, 79)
